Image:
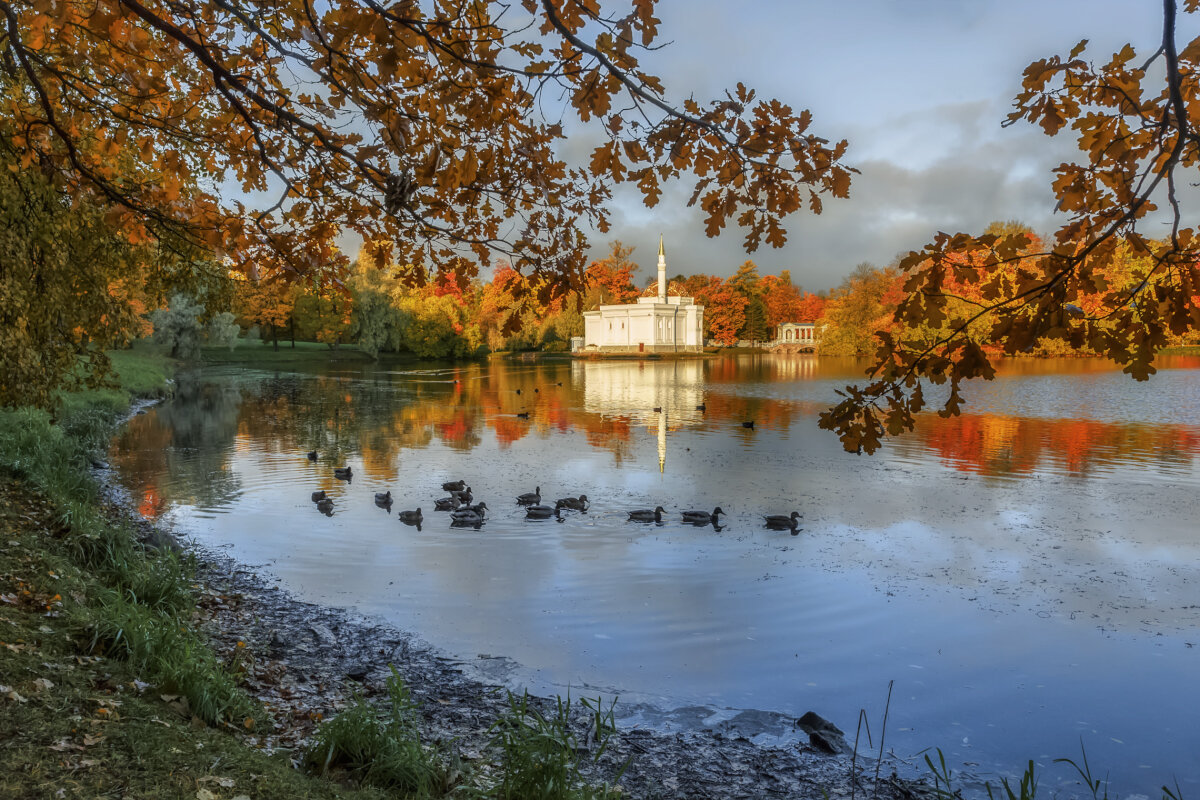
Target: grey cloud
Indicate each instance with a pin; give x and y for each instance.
(969, 180)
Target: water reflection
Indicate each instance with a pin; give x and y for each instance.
(375, 418)
(1029, 595)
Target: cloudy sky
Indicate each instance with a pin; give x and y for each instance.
(918, 87)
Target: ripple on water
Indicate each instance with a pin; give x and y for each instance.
(928, 564)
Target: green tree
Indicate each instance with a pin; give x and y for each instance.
(755, 326)
(67, 288)
(375, 322)
(222, 330)
(178, 327)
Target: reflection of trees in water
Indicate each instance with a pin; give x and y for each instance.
(993, 444)
(374, 418)
(188, 439)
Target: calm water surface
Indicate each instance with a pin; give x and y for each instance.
(1027, 573)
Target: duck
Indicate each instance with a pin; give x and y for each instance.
(463, 495)
(319, 495)
(778, 522)
(478, 508)
(543, 512)
(748, 424)
(702, 407)
(658, 409)
(530, 498)
(454, 486)
(522, 415)
(646, 516)
(325, 506)
(345, 473)
(518, 391)
(447, 503)
(574, 503)
(702, 517)
(411, 517)
(312, 455)
(383, 498)
(465, 517)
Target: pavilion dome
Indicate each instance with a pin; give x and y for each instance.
(674, 288)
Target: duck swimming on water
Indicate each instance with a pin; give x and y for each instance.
(778, 522)
(574, 503)
(646, 516)
(543, 512)
(447, 503)
(383, 498)
(318, 495)
(466, 518)
(530, 498)
(411, 517)
(345, 473)
(702, 517)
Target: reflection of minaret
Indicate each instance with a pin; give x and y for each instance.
(662, 441)
(662, 271)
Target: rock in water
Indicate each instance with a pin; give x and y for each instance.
(823, 734)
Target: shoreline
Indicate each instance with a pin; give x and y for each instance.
(307, 662)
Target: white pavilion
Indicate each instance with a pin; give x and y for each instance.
(657, 323)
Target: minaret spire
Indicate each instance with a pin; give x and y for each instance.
(662, 271)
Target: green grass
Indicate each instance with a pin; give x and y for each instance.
(113, 691)
(540, 752)
(258, 353)
(87, 666)
(383, 751)
(140, 372)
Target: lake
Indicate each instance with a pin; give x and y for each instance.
(1027, 573)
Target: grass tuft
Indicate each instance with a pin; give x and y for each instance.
(540, 753)
(379, 751)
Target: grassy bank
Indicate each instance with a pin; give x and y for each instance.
(107, 687)
(263, 354)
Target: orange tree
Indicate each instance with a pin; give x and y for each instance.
(417, 124)
(1137, 124)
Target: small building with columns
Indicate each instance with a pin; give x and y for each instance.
(656, 323)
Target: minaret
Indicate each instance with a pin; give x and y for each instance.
(662, 441)
(662, 271)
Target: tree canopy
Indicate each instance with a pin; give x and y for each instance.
(1137, 125)
(432, 129)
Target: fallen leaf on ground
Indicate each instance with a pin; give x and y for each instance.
(62, 745)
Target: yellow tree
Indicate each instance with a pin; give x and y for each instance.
(264, 302)
(1136, 121)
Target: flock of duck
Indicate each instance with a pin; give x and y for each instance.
(464, 513)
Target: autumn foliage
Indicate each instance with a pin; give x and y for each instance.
(1134, 120)
(420, 125)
